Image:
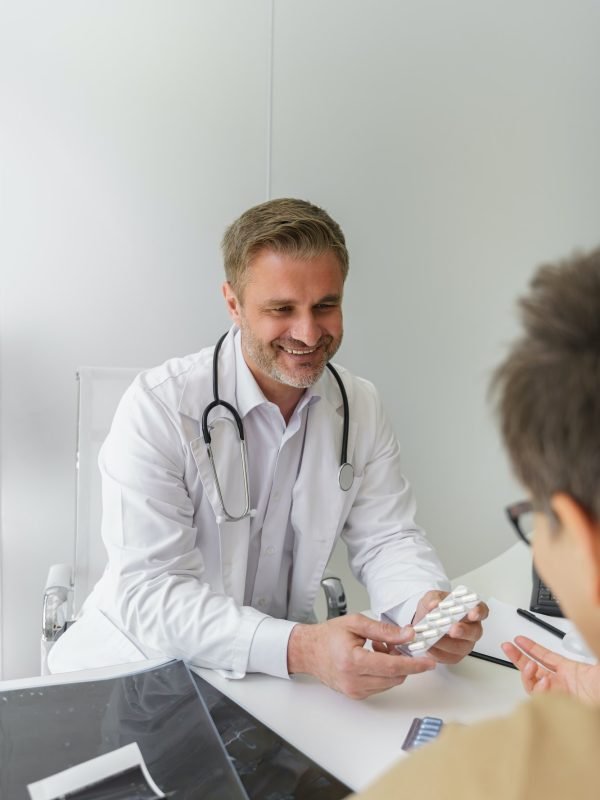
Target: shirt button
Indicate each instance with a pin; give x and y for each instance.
(270, 550)
(261, 602)
(276, 495)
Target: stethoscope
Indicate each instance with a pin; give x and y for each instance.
(346, 470)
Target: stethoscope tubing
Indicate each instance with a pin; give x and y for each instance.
(346, 471)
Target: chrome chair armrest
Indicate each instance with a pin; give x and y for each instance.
(57, 603)
(335, 596)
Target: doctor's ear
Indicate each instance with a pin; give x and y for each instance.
(232, 302)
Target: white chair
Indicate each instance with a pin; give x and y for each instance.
(67, 585)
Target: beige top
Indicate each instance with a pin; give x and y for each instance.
(548, 749)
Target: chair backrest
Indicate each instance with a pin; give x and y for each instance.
(100, 389)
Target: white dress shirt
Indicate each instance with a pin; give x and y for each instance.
(274, 457)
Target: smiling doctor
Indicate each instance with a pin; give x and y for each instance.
(229, 475)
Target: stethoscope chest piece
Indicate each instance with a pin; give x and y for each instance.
(346, 476)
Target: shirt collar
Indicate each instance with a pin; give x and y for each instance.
(248, 393)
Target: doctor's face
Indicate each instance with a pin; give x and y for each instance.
(290, 317)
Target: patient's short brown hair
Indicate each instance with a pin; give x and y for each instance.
(548, 389)
(293, 227)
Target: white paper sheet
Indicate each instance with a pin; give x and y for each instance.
(503, 624)
(92, 772)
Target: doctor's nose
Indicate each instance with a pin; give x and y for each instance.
(306, 330)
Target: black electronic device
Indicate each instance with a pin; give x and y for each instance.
(542, 599)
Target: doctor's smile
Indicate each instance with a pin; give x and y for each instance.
(297, 352)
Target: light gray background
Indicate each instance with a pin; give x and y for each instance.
(456, 143)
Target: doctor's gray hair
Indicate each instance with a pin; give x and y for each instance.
(287, 226)
(547, 390)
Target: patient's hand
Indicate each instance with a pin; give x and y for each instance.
(553, 672)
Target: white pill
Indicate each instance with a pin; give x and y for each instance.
(430, 634)
(449, 601)
(443, 622)
(433, 615)
(460, 591)
(454, 610)
(415, 646)
(470, 598)
(422, 626)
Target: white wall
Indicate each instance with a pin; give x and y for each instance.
(134, 133)
(455, 142)
(458, 145)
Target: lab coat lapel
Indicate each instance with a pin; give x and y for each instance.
(319, 505)
(233, 536)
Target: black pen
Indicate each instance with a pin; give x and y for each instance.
(542, 623)
(492, 659)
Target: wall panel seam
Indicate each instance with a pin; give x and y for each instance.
(271, 34)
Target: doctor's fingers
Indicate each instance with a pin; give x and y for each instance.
(465, 632)
(363, 686)
(478, 613)
(386, 665)
(374, 630)
(390, 649)
(450, 651)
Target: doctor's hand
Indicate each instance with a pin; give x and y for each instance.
(461, 638)
(551, 672)
(334, 652)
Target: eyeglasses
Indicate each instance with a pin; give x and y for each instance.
(521, 517)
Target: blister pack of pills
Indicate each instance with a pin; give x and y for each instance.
(421, 731)
(439, 620)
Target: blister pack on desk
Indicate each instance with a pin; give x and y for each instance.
(421, 731)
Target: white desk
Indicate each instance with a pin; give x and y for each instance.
(506, 577)
(357, 740)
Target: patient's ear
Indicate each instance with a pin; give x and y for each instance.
(584, 532)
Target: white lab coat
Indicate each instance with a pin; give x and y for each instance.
(175, 580)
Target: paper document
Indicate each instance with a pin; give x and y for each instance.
(124, 769)
(503, 624)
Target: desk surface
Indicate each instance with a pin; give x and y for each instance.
(357, 740)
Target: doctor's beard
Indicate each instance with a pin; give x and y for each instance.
(269, 358)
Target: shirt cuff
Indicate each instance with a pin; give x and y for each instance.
(269, 647)
(403, 613)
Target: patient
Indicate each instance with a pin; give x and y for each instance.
(548, 401)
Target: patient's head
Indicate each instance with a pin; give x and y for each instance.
(548, 401)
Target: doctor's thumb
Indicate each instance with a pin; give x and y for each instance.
(382, 631)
